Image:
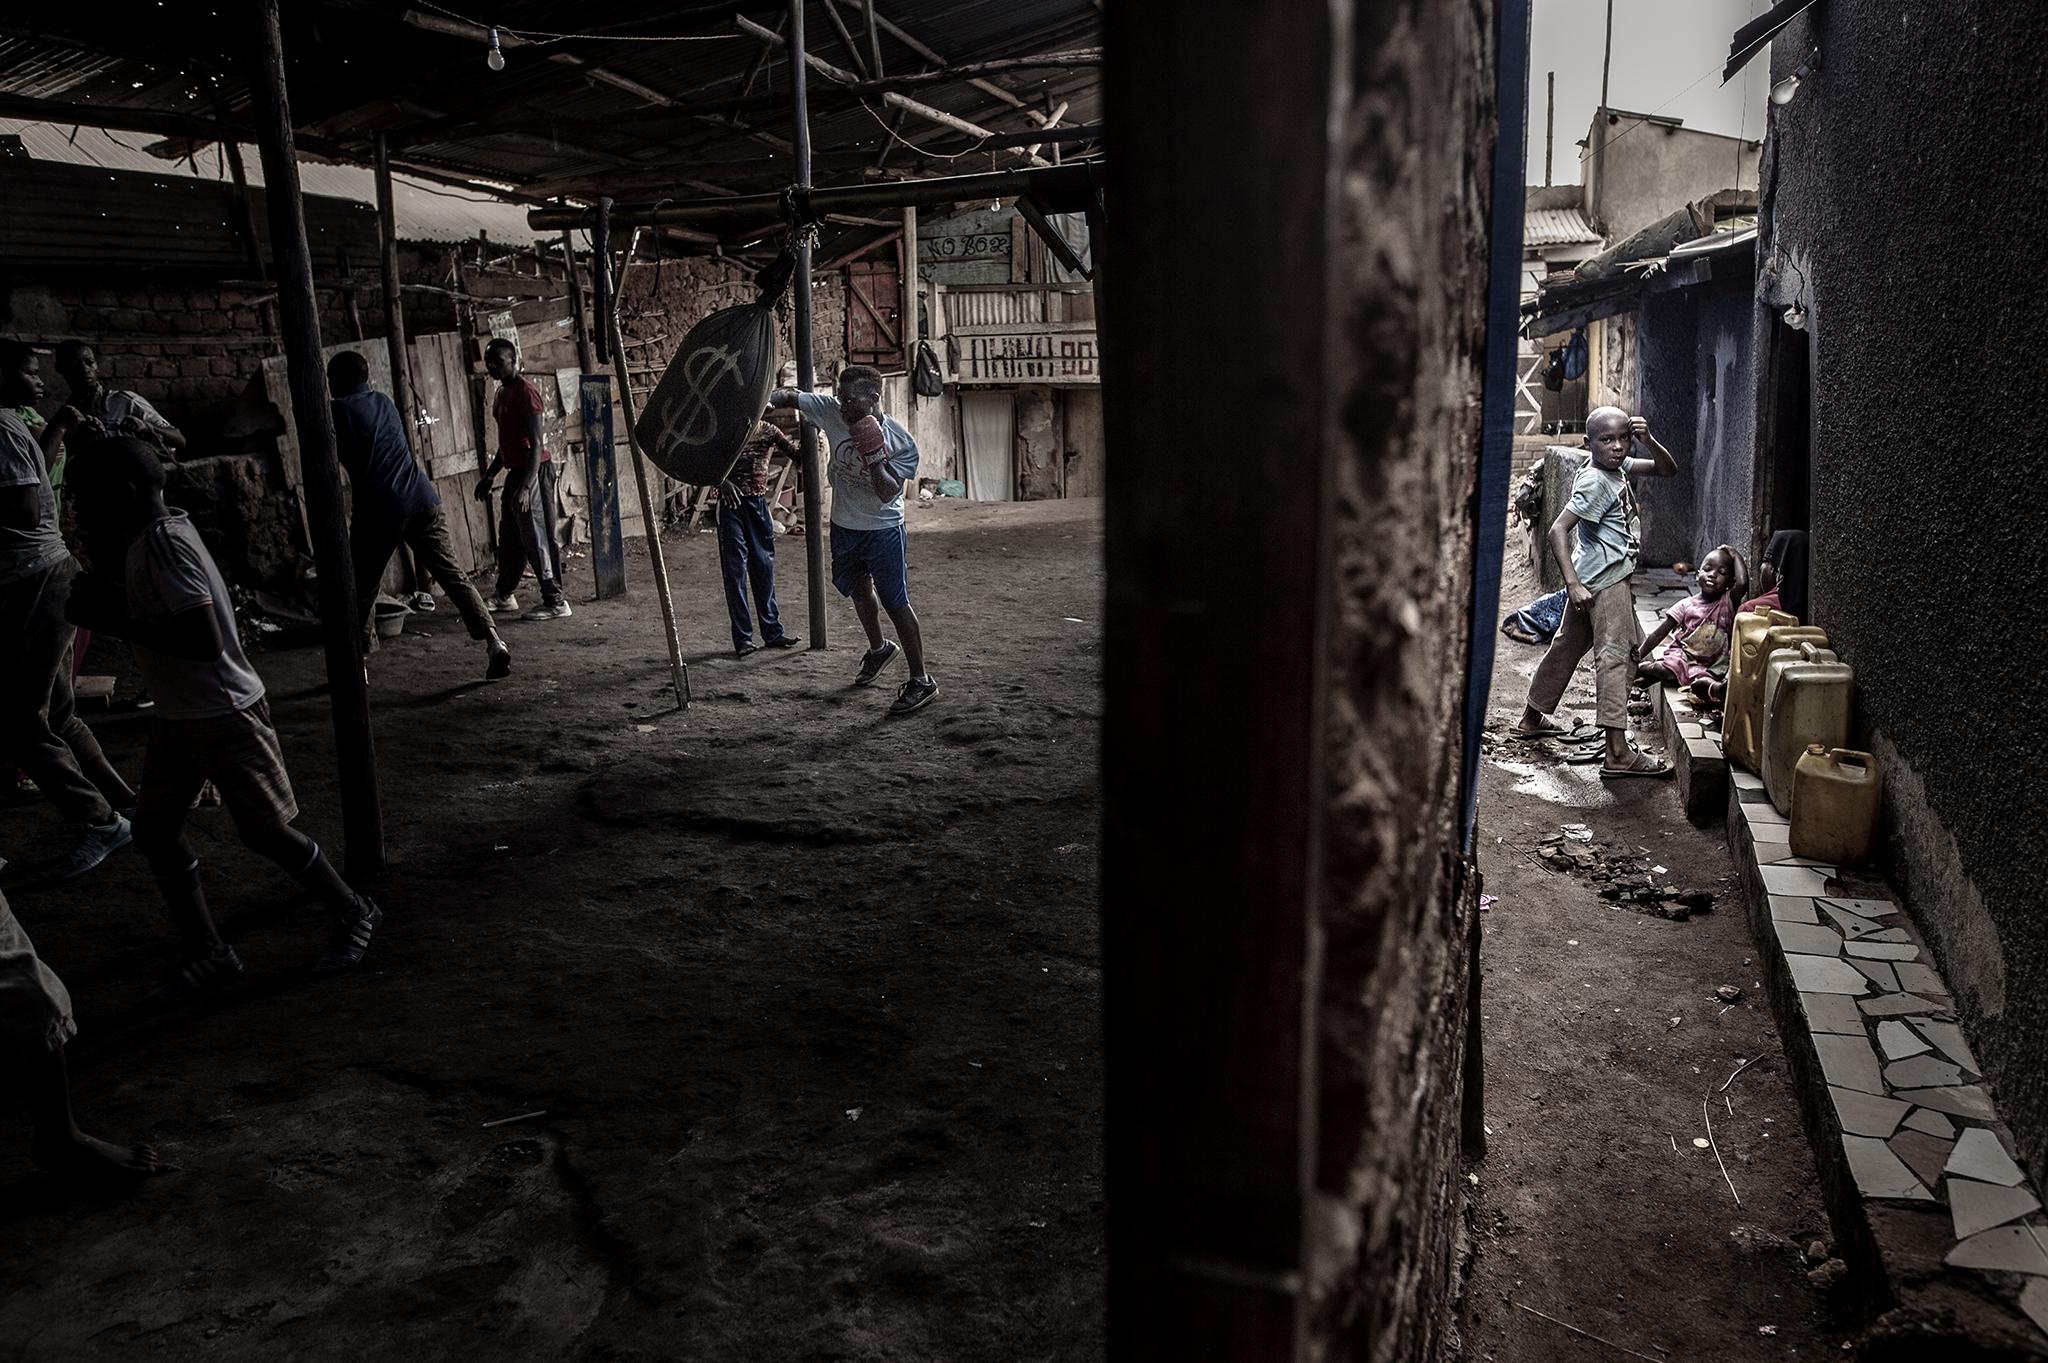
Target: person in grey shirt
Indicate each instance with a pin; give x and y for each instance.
(40, 730)
(872, 458)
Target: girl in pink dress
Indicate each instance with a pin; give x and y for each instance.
(1701, 629)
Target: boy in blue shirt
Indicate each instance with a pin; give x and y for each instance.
(394, 504)
(1600, 614)
(872, 459)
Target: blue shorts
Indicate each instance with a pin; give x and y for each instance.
(858, 554)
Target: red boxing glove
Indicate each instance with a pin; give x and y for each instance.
(867, 439)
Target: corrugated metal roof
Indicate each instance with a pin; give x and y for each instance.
(1556, 227)
(560, 118)
(422, 211)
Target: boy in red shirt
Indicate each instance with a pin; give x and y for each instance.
(526, 517)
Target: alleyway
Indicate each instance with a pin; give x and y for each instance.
(804, 1001)
(1603, 1033)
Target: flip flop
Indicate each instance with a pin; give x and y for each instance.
(1544, 730)
(1658, 767)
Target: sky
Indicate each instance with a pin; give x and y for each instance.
(1660, 48)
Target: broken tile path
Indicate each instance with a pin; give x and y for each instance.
(1916, 1125)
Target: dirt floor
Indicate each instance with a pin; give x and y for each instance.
(1602, 1036)
(808, 997)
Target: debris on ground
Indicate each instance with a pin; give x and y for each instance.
(1487, 901)
(1728, 993)
(1623, 876)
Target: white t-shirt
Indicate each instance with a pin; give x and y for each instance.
(24, 553)
(121, 404)
(854, 503)
(169, 571)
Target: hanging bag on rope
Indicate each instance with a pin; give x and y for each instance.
(712, 392)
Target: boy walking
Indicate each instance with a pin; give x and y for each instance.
(746, 541)
(873, 457)
(1598, 561)
(395, 504)
(211, 721)
(526, 518)
(40, 732)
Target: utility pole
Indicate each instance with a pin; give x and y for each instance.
(299, 317)
(1550, 129)
(1600, 128)
(806, 374)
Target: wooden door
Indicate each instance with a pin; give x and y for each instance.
(874, 314)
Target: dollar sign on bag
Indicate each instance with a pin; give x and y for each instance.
(704, 371)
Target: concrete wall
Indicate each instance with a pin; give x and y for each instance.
(1667, 395)
(1722, 461)
(1695, 382)
(1652, 169)
(1897, 194)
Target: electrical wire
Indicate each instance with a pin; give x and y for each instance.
(537, 35)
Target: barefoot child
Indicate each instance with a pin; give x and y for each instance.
(1701, 628)
(873, 457)
(211, 721)
(35, 1025)
(1595, 540)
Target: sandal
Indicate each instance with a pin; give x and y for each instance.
(1637, 757)
(1544, 730)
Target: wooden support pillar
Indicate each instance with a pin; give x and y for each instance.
(806, 374)
(586, 360)
(910, 327)
(1211, 951)
(347, 687)
(394, 308)
(245, 227)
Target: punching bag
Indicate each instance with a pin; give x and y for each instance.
(712, 393)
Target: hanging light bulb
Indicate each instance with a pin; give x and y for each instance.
(495, 58)
(1795, 317)
(1783, 92)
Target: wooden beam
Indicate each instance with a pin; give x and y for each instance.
(867, 10)
(910, 323)
(986, 87)
(394, 309)
(846, 42)
(891, 97)
(806, 375)
(341, 624)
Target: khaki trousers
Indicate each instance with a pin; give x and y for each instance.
(1608, 627)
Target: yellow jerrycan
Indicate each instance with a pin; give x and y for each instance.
(1837, 805)
(1806, 700)
(1742, 713)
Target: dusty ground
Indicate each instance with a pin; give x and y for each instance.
(809, 998)
(1602, 1036)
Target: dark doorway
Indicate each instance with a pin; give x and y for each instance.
(1788, 470)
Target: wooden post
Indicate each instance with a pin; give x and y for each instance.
(679, 670)
(341, 626)
(910, 331)
(394, 308)
(1550, 129)
(806, 374)
(607, 546)
(585, 359)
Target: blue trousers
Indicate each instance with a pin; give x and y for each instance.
(746, 555)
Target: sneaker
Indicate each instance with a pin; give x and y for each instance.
(502, 605)
(500, 664)
(422, 602)
(196, 977)
(872, 663)
(95, 844)
(352, 931)
(917, 693)
(559, 610)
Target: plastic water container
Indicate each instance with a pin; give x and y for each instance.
(1757, 633)
(1806, 701)
(1837, 805)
